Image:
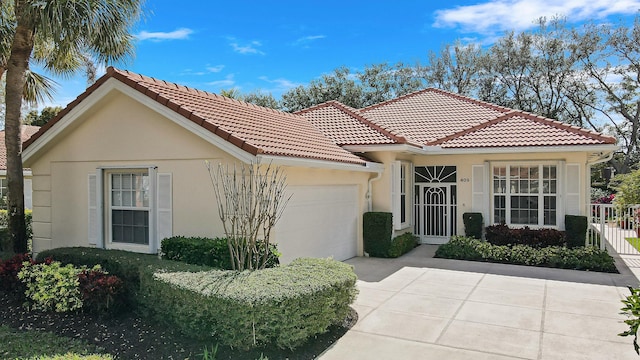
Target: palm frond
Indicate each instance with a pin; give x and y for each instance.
(38, 88)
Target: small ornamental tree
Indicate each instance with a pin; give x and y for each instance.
(251, 199)
(628, 188)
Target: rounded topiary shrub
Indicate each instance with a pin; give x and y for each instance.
(283, 306)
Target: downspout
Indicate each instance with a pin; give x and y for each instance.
(369, 198)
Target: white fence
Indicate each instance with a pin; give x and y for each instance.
(618, 227)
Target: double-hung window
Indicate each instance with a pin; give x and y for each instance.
(129, 207)
(525, 194)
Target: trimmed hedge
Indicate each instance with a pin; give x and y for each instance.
(503, 235)
(473, 224)
(576, 230)
(208, 252)
(585, 258)
(283, 306)
(402, 244)
(128, 266)
(377, 231)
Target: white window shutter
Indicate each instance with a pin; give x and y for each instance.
(480, 191)
(395, 194)
(164, 207)
(93, 210)
(28, 202)
(573, 186)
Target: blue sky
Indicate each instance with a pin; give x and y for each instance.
(276, 45)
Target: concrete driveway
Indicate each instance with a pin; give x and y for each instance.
(418, 307)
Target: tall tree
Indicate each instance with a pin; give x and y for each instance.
(609, 58)
(456, 68)
(69, 28)
(36, 118)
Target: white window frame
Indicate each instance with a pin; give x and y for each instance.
(110, 207)
(541, 195)
(400, 168)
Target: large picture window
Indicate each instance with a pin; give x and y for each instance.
(129, 207)
(525, 194)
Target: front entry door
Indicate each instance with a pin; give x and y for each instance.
(435, 206)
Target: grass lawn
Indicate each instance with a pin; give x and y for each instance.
(19, 344)
(635, 242)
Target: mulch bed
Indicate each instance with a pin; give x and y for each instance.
(130, 336)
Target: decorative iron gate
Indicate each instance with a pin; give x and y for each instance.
(435, 203)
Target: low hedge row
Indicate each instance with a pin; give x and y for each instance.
(402, 244)
(503, 235)
(282, 306)
(585, 258)
(208, 252)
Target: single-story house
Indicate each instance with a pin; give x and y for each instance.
(26, 131)
(123, 166)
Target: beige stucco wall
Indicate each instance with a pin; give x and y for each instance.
(119, 131)
(464, 165)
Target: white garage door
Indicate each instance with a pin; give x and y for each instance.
(319, 221)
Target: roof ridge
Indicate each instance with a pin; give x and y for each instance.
(475, 128)
(353, 112)
(443, 92)
(367, 108)
(486, 104)
(567, 127)
(199, 92)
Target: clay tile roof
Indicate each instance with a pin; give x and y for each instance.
(428, 115)
(437, 117)
(518, 128)
(347, 126)
(26, 130)
(254, 129)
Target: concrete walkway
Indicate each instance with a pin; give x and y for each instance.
(418, 307)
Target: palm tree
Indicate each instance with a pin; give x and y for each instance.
(64, 30)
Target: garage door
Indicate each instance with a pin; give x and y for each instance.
(319, 221)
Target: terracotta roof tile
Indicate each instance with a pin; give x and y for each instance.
(252, 128)
(27, 132)
(521, 129)
(346, 126)
(428, 115)
(437, 117)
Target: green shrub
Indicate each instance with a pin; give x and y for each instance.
(283, 306)
(473, 224)
(576, 230)
(209, 252)
(377, 231)
(581, 258)
(632, 310)
(402, 244)
(128, 266)
(52, 286)
(5, 239)
(501, 234)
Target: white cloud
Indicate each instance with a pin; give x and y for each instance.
(304, 41)
(215, 69)
(207, 70)
(498, 15)
(228, 81)
(279, 85)
(246, 48)
(179, 34)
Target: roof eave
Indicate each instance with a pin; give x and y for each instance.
(407, 148)
(322, 164)
(437, 150)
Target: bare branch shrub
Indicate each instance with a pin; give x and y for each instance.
(251, 199)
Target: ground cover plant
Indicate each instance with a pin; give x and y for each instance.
(136, 334)
(584, 258)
